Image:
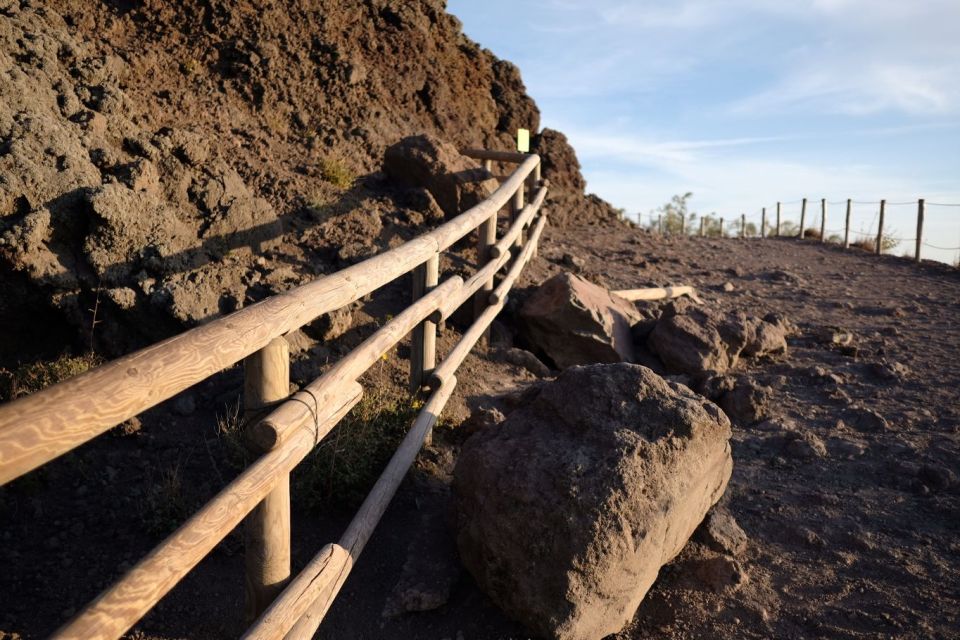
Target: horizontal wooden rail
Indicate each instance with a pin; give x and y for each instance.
(522, 221)
(39, 427)
(498, 156)
(657, 293)
(499, 295)
(275, 428)
(129, 599)
(303, 604)
(33, 432)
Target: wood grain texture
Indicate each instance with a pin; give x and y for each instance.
(267, 527)
(128, 599)
(301, 607)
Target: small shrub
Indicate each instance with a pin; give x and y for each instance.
(337, 173)
(165, 505)
(190, 67)
(865, 244)
(33, 377)
(346, 464)
(230, 425)
(812, 233)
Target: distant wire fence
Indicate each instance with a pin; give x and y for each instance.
(861, 224)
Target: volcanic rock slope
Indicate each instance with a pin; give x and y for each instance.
(166, 162)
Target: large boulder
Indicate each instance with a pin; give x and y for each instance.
(455, 181)
(567, 510)
(573, 321)
(696, 340)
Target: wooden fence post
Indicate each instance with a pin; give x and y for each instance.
(763, 223)
(919, 227)
(823, 220)
(423, 345)
(803, 216)
(778, 219)
(743, 225)
(660, 224)
(702, 220)
(515, 209)
(535, 181)
(267, 528)
(883, 207)
(846, 227)
(683, 224)
(721, 227)
(486, 238)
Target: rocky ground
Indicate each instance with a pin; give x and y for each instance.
(844, 484)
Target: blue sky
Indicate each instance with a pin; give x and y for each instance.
(746, 102)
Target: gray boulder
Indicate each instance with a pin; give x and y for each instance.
(574, 321)
(567, 510)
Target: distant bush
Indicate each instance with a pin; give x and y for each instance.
(812, 233)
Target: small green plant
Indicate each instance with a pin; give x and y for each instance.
(337, 173)
(343, 468)
(32, 377)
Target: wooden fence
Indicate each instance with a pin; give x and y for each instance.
(772, 228)
(36, 429)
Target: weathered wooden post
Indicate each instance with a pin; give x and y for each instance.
(823, 220)
(486, 238)
(763, 222)
(267, 528)
(660, 224)
(423, 347)
(778, 220)
(743, 225)
(535, 182)
(803, 216)
(721, 227)
(515, 208)
(683, 224)
(919, 227)
(883, 207)
(702, 220)
(846, 227)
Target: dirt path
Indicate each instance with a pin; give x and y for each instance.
(859, 539)
(854, 535)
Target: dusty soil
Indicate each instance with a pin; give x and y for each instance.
(854, 537)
